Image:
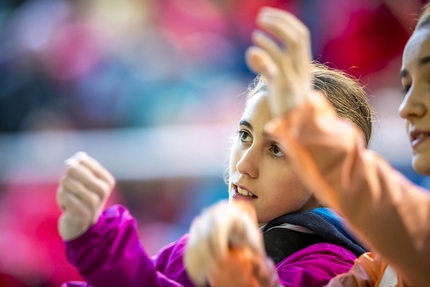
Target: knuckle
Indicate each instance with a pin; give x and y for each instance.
(304, 31)
(94, 201)
(295, 40)
(60, 191)
(102, 188)
(72, 170)
(60, 197)
(81, 156)
(111, 182)
(65, 182)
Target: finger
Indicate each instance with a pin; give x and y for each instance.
(234, 269)
(72, 205)
(217, 235)
(284, 25)
(76, 219)
(278, 87)
(290, 30)
(98, 170)
(91, 199)
(94, 166)
(280, 60)
(60, 204)
(266, 43)
(234, 225)
(261, 63)
(81, 173)
(265, 272)
(198, 256)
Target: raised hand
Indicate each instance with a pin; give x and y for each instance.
(82, 194)
(225, 248)
(285, 66)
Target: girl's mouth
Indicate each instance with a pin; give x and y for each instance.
(419, 138)
(241, 193)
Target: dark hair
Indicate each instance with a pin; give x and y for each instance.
(343, 91)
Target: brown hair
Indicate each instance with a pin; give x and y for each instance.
(344, 92)
(424, 19)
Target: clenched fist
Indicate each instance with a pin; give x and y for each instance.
(82, 194)
(225, 248)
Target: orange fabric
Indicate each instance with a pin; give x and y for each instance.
(368, 270)
(384, 209)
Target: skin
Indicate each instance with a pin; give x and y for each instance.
(415, 108)
(259, 166)
(266, 58)
(231, 246)
(86, 185)
(286, 69)
(289, 82)
(273, 181)
(257, 163)
(82, 194)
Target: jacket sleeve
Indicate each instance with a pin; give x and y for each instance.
(385, 210)
(314, 265)
(110, 254)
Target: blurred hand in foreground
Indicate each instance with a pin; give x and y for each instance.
(225, 248)
(286, 65)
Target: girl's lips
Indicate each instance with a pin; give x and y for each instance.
(240, 196)
(419, 139)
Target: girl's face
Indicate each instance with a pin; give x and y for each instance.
(415, 108)
(260, 173)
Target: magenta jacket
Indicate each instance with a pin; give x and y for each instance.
(110, 254)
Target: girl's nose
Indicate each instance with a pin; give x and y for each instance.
(412, 105)
(248, 163)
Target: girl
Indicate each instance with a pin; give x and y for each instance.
(104, 245)
(259, 174)
(386, 210)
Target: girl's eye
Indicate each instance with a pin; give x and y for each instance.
(276, 150)
(244, 136)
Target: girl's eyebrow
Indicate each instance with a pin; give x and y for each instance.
(424, 60)
(421, 62)
(246, 124)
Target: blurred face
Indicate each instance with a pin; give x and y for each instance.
(415, 108)
(260, 173)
